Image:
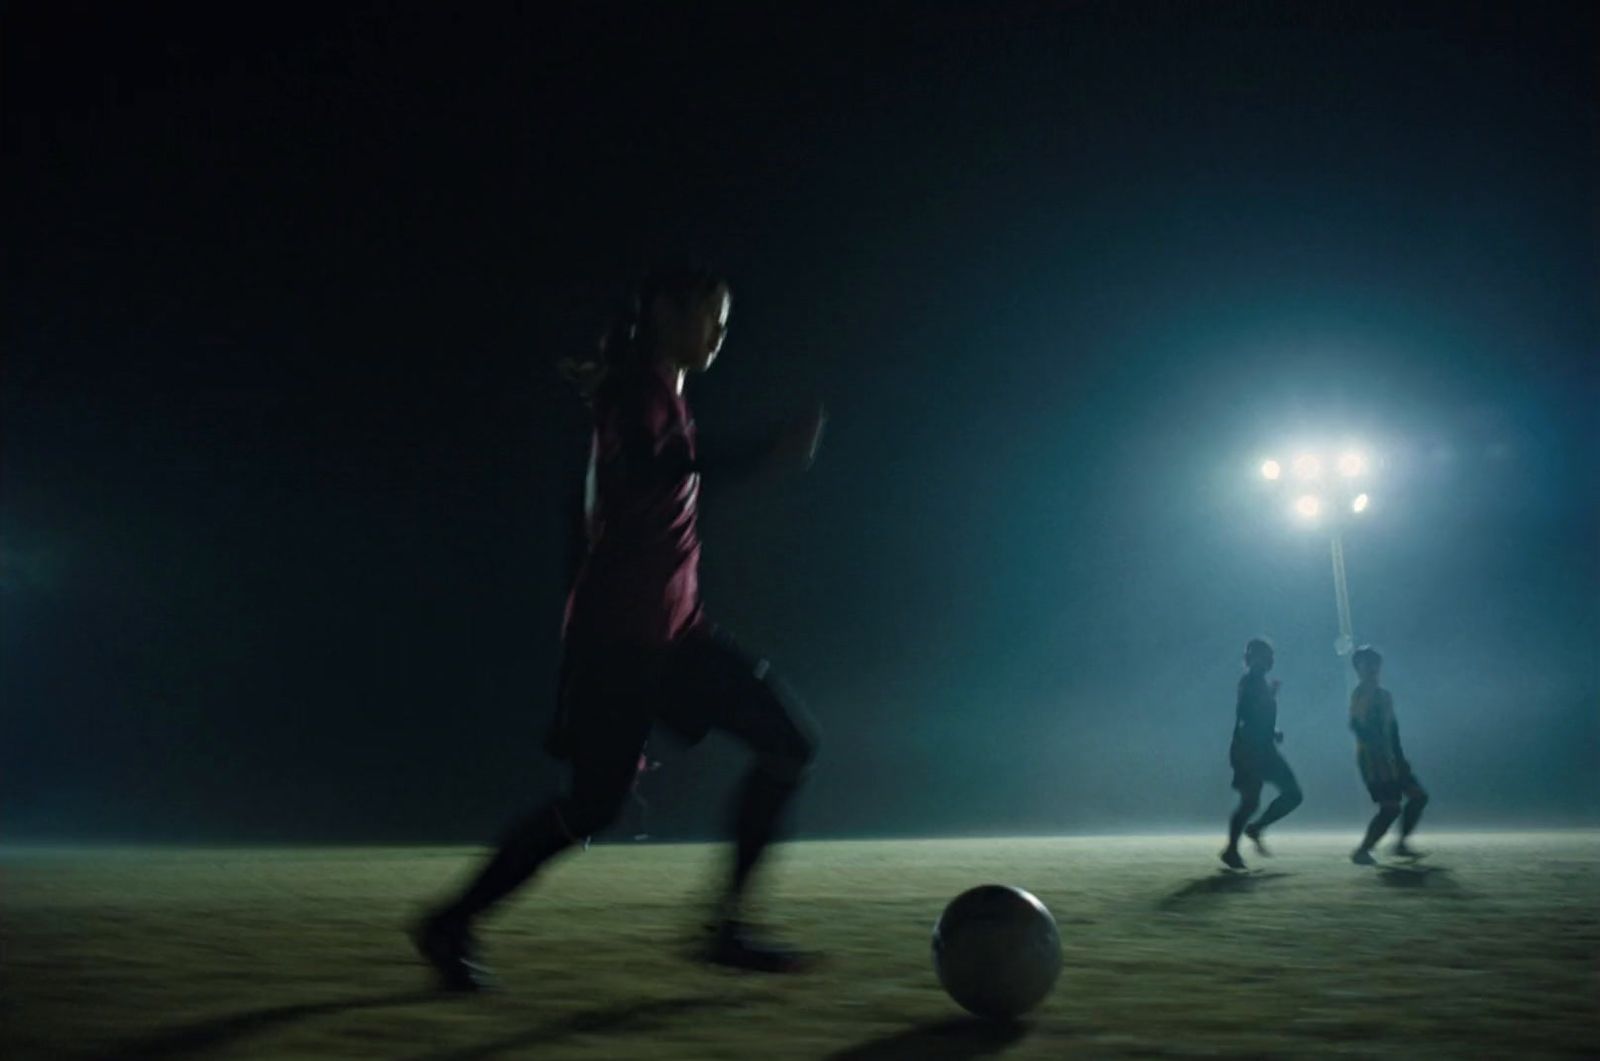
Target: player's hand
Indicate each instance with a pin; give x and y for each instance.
(1278, 736)
(797, 445)
(1276, 685)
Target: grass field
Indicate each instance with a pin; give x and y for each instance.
(1488, 949)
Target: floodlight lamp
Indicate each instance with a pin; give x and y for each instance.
(1306, 466)
(1352, 464)
(1308, 507)
(1270, 470)
(1360, 504)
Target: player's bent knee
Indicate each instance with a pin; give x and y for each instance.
(791, 761)
(787, 769)
(803, 746)
(788, 754)
(1389, 807)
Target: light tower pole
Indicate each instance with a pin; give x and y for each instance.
(1341, 599)
(1336, 500)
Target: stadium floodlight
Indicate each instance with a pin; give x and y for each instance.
(1330, 504)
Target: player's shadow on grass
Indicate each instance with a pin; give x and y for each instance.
(1222, 882)
(626, 1018)
(1433, 879)
(219, 1031)
(954, 1039)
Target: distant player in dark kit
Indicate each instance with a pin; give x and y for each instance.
(1383, 764)
(637, 648)
(1255, 756)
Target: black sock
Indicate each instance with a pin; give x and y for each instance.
(529, 844)
(1411, 815)
(758, 813)
(1380, 825)
(1236, 823)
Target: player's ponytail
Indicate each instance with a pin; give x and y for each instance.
(626, 341)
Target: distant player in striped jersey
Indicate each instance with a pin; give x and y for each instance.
(1384, 769)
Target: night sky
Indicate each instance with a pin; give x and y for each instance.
(287, 468)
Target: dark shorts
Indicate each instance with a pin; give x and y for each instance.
(612, 696)
(1393, 787)
(1254, 767)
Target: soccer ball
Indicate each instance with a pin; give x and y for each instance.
(996, 951)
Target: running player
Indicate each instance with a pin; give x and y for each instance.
(1255, 757)
(1383, 764)
(637, 648)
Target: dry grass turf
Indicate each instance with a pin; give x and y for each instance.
(1487, 949)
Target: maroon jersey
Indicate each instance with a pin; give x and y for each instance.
(640, 582)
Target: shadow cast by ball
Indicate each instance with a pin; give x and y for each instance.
(953, 1039)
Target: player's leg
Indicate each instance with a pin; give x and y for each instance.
(1248, 783)
(1249, 800)
(1410, 815)
(712, 683)
(1289, 797)
(590, 806)
(608, 726)
(1388, 811)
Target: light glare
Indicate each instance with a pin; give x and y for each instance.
(1360, 503)
(1352, 465)
(1309, 506)
(1307, 466)
(1270, 470)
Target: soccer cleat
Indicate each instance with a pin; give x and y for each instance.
(447, 944)
(733, 946)
(1254, 833)
(1230, 858)
(1401, 849)
(1362, 856)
